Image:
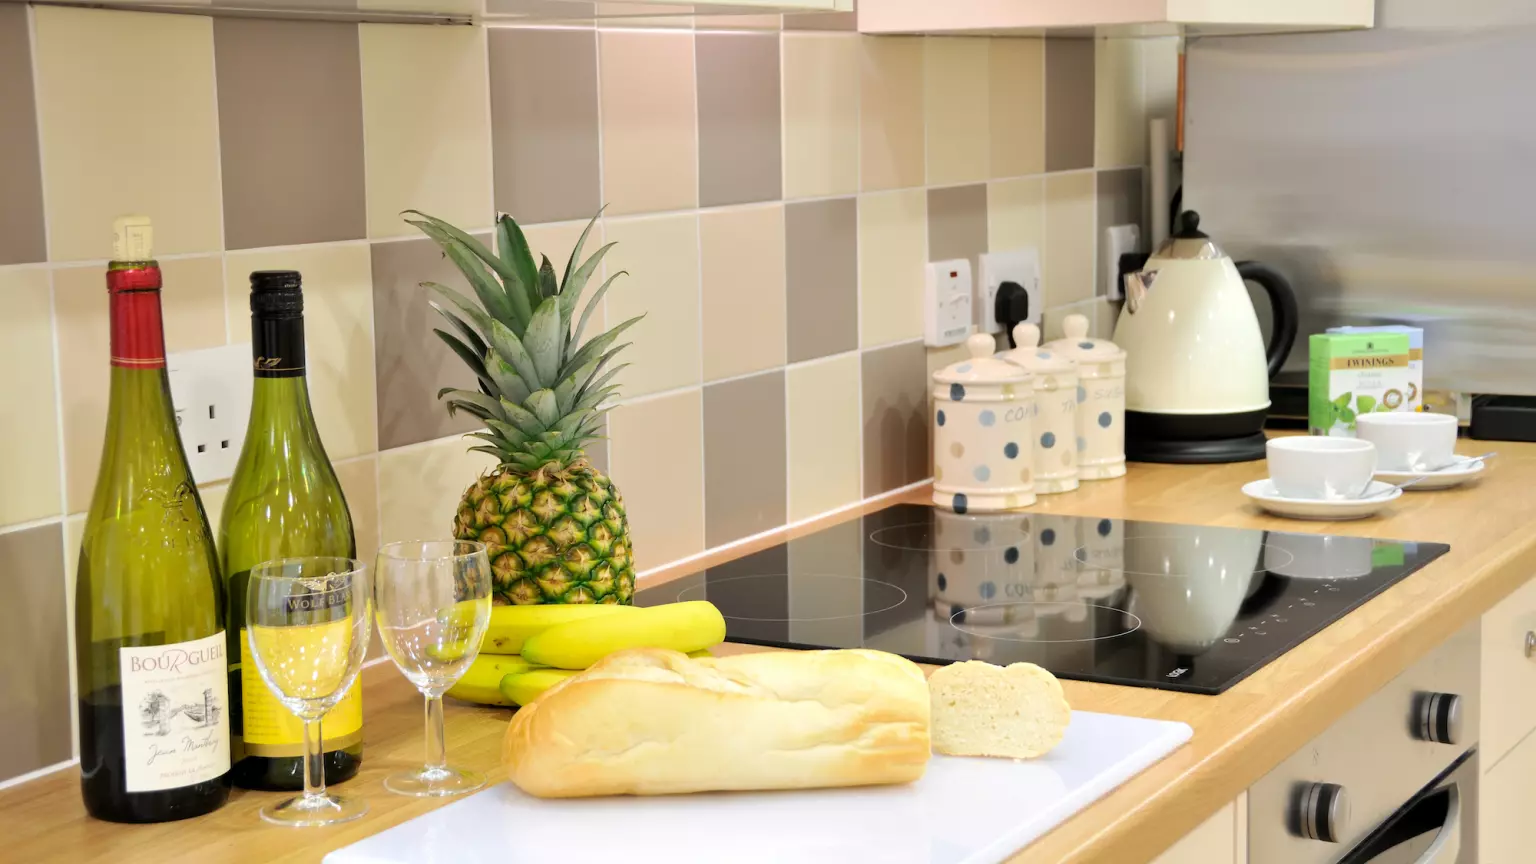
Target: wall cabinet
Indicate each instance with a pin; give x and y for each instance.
(1113, 17)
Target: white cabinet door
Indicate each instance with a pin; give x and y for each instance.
(1508, 674)
(1506, 826)
(1221, 839)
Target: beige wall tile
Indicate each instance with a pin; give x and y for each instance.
(1069, 229)
(744, 302)
(649, 121)
(657, 451)
(661, 255)
(890, 112)
(338, 335)
(99, 72)
(825, 431)
(894, 403)
(420, 487)
(629, 14)
(956, 97)
(34, 665)
(213, 496)
(425, 125)
(29, 427)
(1120, 109)
(893, 250)
(1017, 102)
(1160, 66)
(193, 305)
(360, 484)
(736, 22)
(1016, 215)
(821, 109)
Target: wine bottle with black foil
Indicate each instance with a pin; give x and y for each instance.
(284, 501)
(150, 649)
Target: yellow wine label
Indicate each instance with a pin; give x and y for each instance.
(272, 730)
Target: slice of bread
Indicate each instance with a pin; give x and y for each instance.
(979, 709)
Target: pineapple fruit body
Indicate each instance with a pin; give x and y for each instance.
(553, 535)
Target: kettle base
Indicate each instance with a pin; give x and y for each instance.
(1190, 439)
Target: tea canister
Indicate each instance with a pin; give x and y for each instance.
(982, 420)
(1055, 428)
(1101, 399)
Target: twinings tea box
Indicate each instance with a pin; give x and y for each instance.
(1353, 374)
(1415, 358)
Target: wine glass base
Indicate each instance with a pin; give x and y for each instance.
(308, 811)
(434, 782)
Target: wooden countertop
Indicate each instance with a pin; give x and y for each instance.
(1239, 735)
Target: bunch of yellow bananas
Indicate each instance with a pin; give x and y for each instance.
(528, 649)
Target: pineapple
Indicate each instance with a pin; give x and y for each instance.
(553, 525)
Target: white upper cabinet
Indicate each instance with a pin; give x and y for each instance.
(1112, 17)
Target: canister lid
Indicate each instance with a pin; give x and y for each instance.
(982, 367)
(1031, 356)
(1080, 347)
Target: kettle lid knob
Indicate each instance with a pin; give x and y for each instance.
(1189, 227)
(1075, 326)
(1026, 335)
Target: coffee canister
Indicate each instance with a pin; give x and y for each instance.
(982, 427)
(1101, 399)
(1055, 429)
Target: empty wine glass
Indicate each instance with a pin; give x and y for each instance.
(307, 620)
(433, 602)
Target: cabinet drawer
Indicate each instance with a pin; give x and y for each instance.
(1506, 833)
(1509, 677)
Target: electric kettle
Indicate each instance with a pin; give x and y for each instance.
(1197, 370)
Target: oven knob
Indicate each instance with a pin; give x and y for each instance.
(1323, 809)
(1439, 718)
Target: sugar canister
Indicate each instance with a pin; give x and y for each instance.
(1055, 429)
(982, 418)
(1101, 399)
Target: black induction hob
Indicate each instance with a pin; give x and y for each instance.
(1146, 604)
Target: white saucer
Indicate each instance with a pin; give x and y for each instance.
(1262, 493)
(1461, 471)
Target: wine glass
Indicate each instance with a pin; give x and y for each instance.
(433, 602)
(307, 620)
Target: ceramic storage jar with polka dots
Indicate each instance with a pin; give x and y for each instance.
(1055, 445)
(982, 420)
(1101, 408)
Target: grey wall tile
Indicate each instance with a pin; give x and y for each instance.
(745, 485)
(1068, 104)
(738, 80)
(544, 123)
(821, 269)
(21, 219)
(821, 21)
(895, 385)
(597, 451)
(290, 131)
(957, 224)
(34, 651)
(411, 362)
(1119, 203)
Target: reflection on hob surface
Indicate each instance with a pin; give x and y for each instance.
(1181, 607)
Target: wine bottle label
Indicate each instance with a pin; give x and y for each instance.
(272, 730)
(175, 713)
(278, 346)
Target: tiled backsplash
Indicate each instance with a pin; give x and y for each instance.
(775, 193)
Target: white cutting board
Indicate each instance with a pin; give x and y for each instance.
(963, 811)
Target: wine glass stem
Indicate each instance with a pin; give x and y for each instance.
(314, 766)
(437, 751)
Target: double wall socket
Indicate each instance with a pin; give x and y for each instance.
(1021, 266)
(211, 390)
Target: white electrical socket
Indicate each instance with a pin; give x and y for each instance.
(211, 390)
(1015, 265)
(947, 302)
(1118, 240)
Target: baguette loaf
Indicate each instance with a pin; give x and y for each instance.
(650, 721)
(979, 709)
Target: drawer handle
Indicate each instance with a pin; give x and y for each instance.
(1530, 642)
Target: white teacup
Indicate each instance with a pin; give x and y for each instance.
(1410, 441)
(1319, 468)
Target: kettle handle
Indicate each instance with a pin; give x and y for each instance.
(1282, 302)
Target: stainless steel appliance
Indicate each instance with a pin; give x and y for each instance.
(1194, 608)
(1392, 782)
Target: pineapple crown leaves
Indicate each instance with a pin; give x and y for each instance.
(542, 390)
